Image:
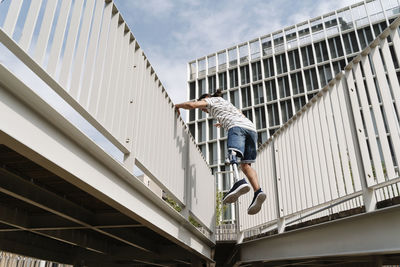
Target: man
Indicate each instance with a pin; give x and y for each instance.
(242, 142)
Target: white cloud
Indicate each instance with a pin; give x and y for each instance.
(201, 28)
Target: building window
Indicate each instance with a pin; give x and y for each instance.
(212, 84)
(222, 81)
(212, 64)
(299, 102)
(307, 56)
(258, 94)
(379, 28)
(272, 131)
(221, 132)
(255, 49)
(338, 66)
(222, 149)
(286, 110)
(193, 70)
(321, 51)
(200, 114)
(201, 132)
(244, 54)
(297, 83)
(325, 74)
(192, 129)
(266, 44)
(232, 54)
(311, 79)
(350, 43)
(279, 42)
(248, 113)
(222, 61)
(331, 25)
(291, 38)
(234, 96)
(202, 87)
(304, 33)
(212, 130)
(256, 70)
(244, 74)
(294, 60)
(283, 83)
(212, 153)
(192, 90)
(335, 47)
(260, 118)
(281, 66)
(262, 137)
(365, 37)
(227, 214)
(273, 114)
(246, 97)
(270, 88)
(345, 20)
(202, 68)
(233, 78)
(192, 115)
(203, 150)
(269, 67)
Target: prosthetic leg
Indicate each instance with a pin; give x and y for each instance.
(233, 160)
(240, 187)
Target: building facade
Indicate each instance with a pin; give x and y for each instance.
(272, 77)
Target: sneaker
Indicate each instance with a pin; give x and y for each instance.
(258, 200)
(239, 188)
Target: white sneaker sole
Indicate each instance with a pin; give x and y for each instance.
(233, 196)
(256, 207)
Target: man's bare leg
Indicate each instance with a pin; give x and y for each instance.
(251, 175)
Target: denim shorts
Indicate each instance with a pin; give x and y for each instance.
(243, 141)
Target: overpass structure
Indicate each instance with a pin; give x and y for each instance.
(331, 173)
(63, 196)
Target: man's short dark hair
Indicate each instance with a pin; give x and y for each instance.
(217, 93)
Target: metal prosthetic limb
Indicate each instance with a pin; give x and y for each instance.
(233, 160)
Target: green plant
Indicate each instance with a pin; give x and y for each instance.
(219, 208)
(173, 204)
(194, 222)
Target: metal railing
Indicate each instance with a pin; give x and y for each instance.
(85, 52)
(341, 150)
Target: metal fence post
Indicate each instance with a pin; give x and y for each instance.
(368, 193)
(281, 222)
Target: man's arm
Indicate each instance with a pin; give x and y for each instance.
(191, 105)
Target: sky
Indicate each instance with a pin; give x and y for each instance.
(174, 32)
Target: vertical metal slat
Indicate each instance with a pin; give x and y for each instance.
(79, 60)
(30, 23)
(95, 87)
(375, 154)
(91, 52)
(12, 17)
(44, 34)
(378, 117)
(70, 44)
(58, 37)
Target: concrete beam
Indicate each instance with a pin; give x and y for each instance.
(364, 234)
(72, 156)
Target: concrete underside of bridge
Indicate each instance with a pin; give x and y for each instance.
(63, 199)
(366, 239)
(43, 216)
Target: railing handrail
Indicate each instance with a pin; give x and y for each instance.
(121, 100)
(319, 159)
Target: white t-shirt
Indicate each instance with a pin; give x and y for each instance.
(227, 114)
